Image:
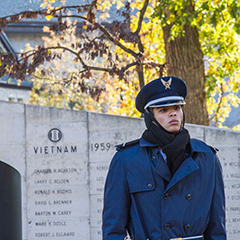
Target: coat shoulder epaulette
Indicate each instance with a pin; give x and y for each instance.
(214, 150)
(127, 144)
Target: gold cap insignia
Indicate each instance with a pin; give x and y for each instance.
(167, 84)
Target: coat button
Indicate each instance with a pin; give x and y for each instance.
(153, 158)
(149, 185)
(188, 196)
(167, 226)
(165, 196)
(187, 227)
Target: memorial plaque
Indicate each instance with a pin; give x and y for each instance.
(57, 178)
(105, 132)
(230, 161)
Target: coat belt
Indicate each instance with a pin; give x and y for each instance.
(200, 237)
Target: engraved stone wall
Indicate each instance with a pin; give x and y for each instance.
(63, 157)
(57, 174)
(105, 131)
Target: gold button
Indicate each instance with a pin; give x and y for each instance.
(149, 185)
(187, 227)
(167, 226)
(165, 196)
(189, 196)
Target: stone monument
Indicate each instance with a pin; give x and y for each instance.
(63, 157)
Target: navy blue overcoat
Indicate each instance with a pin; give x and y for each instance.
(142, 198)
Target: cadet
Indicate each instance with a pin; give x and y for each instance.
(164, 185)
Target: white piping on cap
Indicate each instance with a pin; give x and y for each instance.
(157, 102)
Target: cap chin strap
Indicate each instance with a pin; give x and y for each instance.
(149, 118)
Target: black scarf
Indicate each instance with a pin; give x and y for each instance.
(172, 144)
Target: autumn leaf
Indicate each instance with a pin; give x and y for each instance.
(49, 17)
(46, 29)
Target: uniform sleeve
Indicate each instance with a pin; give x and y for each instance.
(116, 201)
(216, 228)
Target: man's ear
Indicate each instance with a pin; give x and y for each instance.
(148, 120)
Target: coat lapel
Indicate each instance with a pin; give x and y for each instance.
(163, 170)
(187, 167)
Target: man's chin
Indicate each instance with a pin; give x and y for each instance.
(173, 129)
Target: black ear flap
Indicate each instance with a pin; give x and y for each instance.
(183, 122)
(147, 119)
(183, 118)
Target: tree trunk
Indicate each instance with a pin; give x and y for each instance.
(184, 59)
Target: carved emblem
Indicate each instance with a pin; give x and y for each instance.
(167, 84)
(54, 135)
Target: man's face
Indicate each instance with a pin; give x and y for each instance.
(169, 117)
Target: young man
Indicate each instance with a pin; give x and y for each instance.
(165, 185)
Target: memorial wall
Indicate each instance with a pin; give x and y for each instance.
(63, 157)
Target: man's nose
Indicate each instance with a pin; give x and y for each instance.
(173, 112)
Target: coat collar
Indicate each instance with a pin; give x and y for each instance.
(186, 168)
(145, 143)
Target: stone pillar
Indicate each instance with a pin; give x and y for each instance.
(10, 203)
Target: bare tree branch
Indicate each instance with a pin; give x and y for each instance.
(115, 41)
(142, 12)
(38, 56)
